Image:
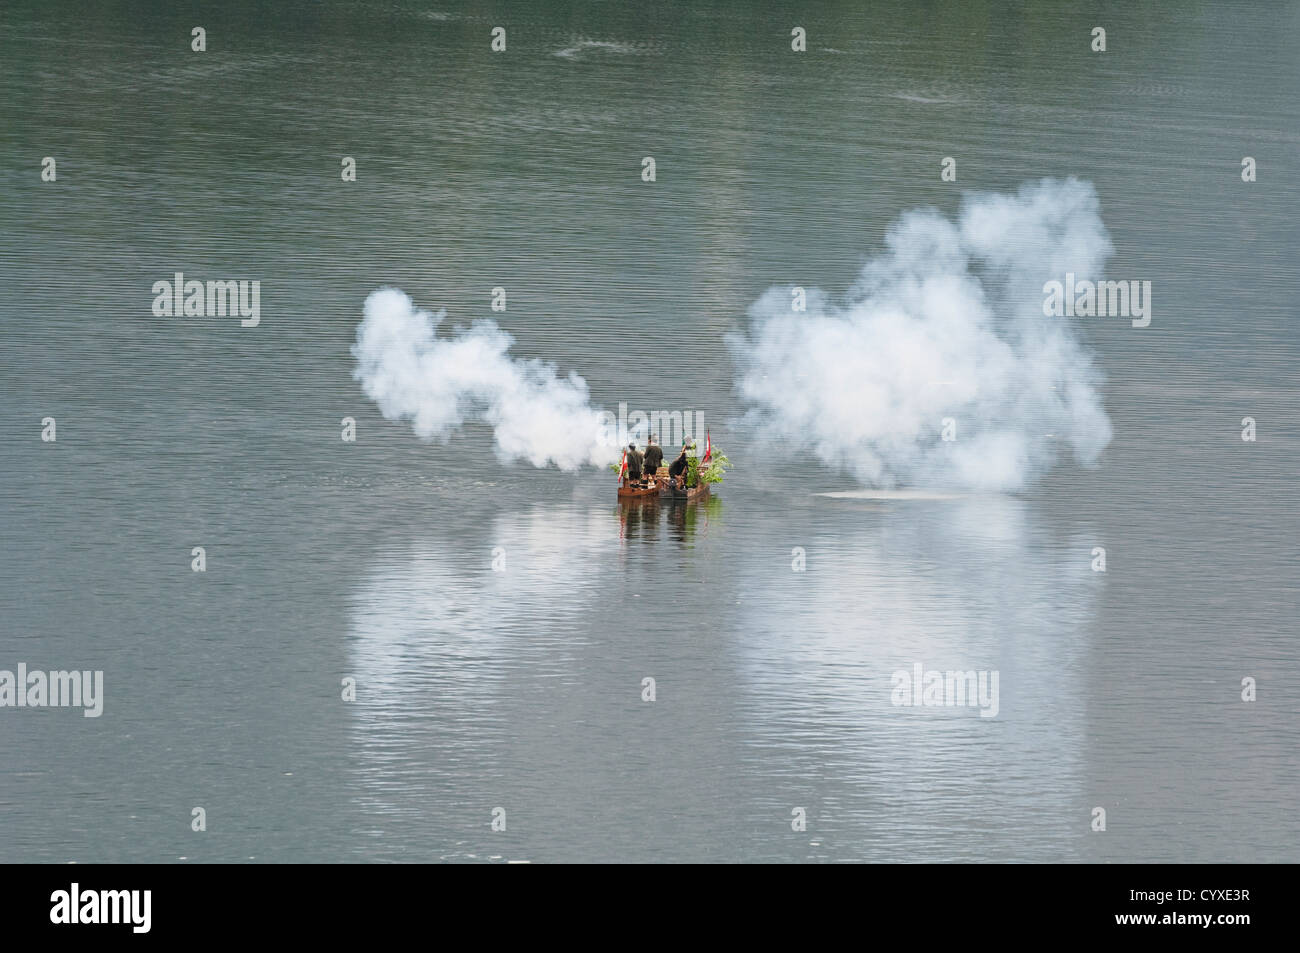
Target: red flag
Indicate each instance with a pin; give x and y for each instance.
(622, 467)
(708, 447)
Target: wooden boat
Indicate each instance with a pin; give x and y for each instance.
(652, 491)
(662, 488)
(690, 494)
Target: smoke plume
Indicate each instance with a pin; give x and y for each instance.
(439, 383)
(947, 324)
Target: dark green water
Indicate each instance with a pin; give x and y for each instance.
(522, 689)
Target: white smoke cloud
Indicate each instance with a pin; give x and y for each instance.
(947, 323)
(438, 383)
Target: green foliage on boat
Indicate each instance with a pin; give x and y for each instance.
(713, 473)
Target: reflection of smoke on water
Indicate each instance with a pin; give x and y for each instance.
(438, 636)
(477, 688)
(439, 609)
(963, 585)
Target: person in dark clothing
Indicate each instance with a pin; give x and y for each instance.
(654, 456)
(633, 464)
(677, 469)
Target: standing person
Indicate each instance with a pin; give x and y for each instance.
(678, 467)
(654, 456)
(633, 464)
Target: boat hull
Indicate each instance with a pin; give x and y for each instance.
(651, 492)
(640, 493)
(690, 494)
(662, 488)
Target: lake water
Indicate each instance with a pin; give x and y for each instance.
(522, 689)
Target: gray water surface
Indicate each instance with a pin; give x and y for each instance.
(522, 688)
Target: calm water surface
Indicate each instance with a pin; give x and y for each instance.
(522, 689)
